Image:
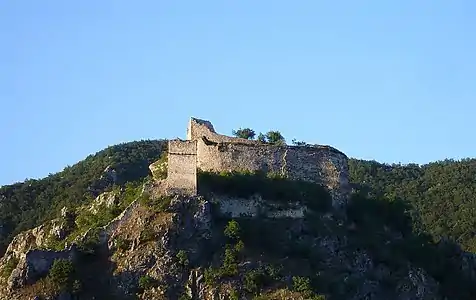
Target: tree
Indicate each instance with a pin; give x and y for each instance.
(61, 273)
(275, 137)
(244, 133)
(261, 138)
(232, 230)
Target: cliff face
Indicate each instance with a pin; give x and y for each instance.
(207, 248)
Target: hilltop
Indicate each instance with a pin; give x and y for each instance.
(107, 228)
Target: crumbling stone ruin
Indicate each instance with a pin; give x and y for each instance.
(206, 150)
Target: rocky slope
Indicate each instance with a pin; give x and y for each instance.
(231, 242)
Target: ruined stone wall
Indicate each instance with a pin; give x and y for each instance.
(239, 157)
(200, 128)
(182, 167)
(321, 165)
(209, 151)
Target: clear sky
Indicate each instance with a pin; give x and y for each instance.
(393, 81)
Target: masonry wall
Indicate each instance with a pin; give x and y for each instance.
(321, 165)
(209, 151)
(182, 167)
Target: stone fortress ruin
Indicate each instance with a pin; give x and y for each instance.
(207, 150)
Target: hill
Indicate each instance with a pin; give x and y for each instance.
(27, 204)
(442, 195)
(408, 234)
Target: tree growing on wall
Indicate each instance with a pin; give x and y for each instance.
(244, 133)
(275, 137)
(261, 138)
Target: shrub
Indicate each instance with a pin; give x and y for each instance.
(122, 244)
(61, 273)
(254, 280)
(244, 133)
(182, 258)
(275, 137)
(146, 282)
(232, 230)
(91, 242)
(9, 266)
(233, 295)
(303, 285)
(147, 234)
(211, 275)
(158, 204)
(230, 265)
(240, 246)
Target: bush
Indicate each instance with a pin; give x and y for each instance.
(303, 285)
(61, 273)
(158, 204)
(275, 137)
(91, 242)
(9, 266)
(146, 282)
(254, 280)
(211, 275)
(239, 247)
(244, 133)
(232, 230)
(233, 295)
(182, 258)
(147, 234)
(230, 265)
(122, 244)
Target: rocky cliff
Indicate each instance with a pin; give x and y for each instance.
(214, 246)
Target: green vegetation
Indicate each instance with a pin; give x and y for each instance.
(148, 234)
(32, 202)
(62, 274)
(9, 267)
(161, 171)
(303, 285)
(122, 244)
(244, 133)
(271, 137)
(91, 241)
(232, 230)
(441, 196)
(275, 138)
(182, 258)
(146, 282)
(88, 220)
(270, 186)
(399, 215)
(156, 204)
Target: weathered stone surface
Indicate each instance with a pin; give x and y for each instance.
(106, 199)
(182, 167)
(36, 264)
(208, 151)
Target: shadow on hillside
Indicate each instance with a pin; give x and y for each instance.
(387, 230)
(383, 229)
(98, 280)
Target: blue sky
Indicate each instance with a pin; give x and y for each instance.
(393, 81)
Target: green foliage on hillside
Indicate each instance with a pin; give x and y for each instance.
(441, 196)
(61, 273)
(28, 204)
